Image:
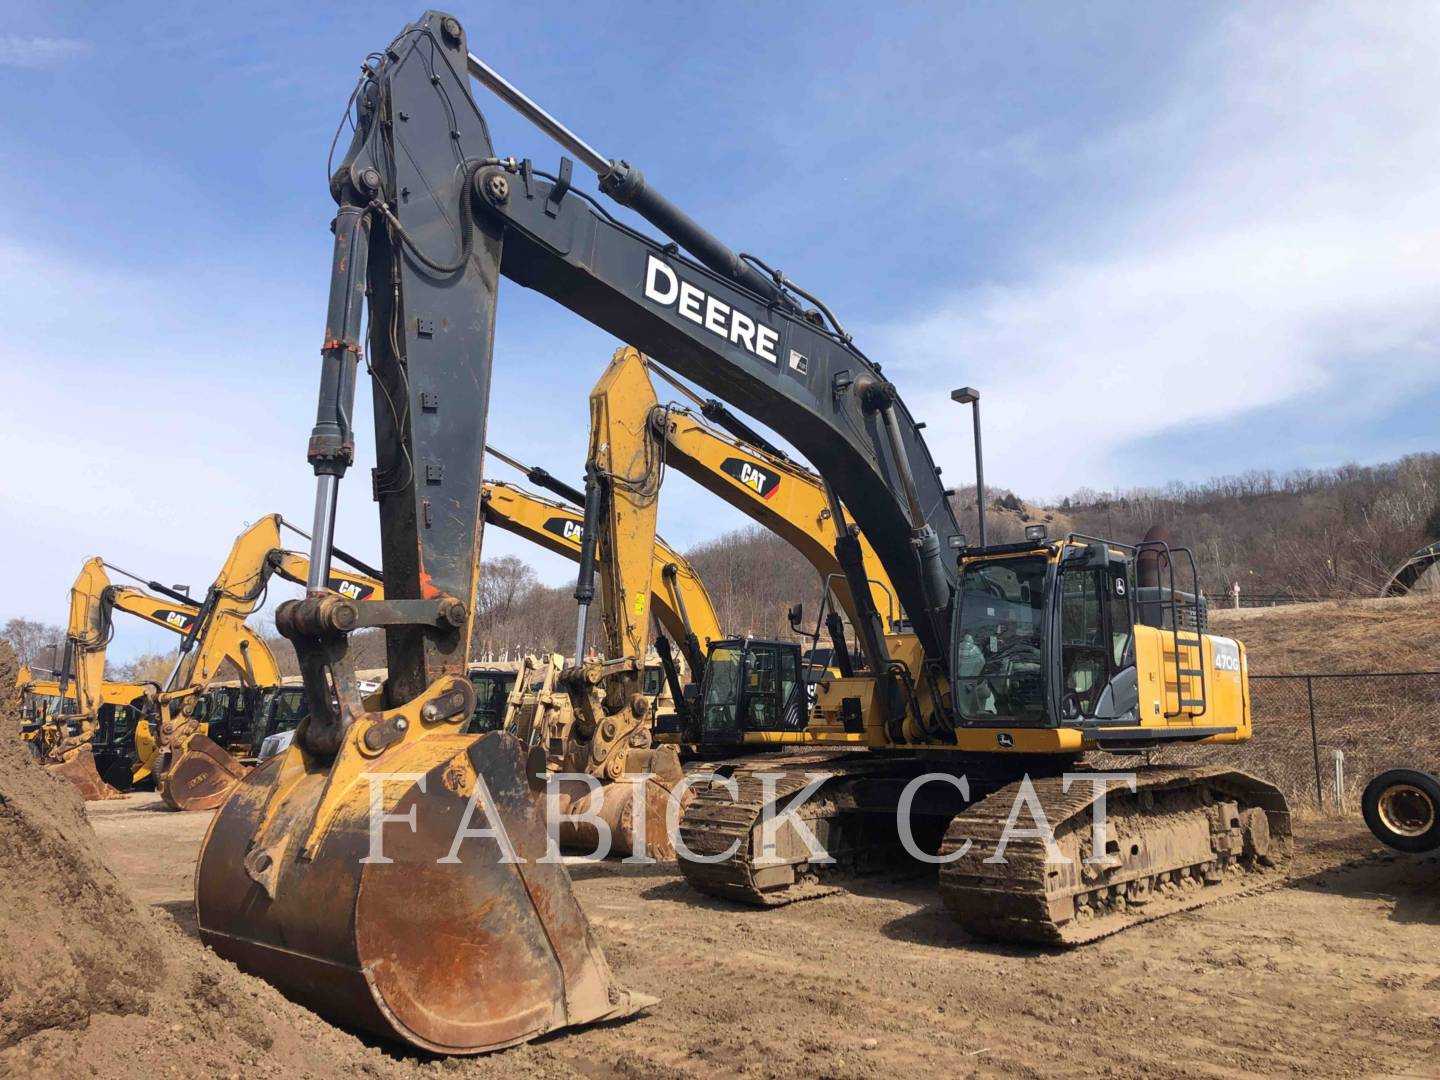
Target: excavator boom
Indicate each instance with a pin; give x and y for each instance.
(461, 953)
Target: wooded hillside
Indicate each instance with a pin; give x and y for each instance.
(1310, 534)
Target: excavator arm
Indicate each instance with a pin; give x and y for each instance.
(779, 493)
(733, 331)
(455, 940)
(622, 502)
(66, 752)
(193, 771)
(422, 177)
(678, 597)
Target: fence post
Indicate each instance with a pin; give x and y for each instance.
(1315, 742)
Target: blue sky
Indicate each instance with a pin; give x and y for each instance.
(1186, 239)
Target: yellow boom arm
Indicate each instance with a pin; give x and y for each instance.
(681, 602)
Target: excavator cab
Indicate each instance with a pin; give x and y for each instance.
(1066, 633)
(751, 685)
(492, 691)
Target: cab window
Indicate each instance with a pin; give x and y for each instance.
(789, 684)
(762, 706)
(998, 639)
(721, 689)
(1085, 651)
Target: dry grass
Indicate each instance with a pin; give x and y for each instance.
(1338, 636)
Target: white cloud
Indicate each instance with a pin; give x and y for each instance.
(39, 52)
(1292, 243)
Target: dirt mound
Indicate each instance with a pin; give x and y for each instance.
(1397, 634)
(94, 984)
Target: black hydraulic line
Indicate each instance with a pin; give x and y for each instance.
(627, 185)
(541, 477)
(173, 594)
(836, 626)
(585, 575)
(67, 668)
(672, 675)
(344, 556)
(717, 413)
(202, 620)
(355, 564)
(869, 623)
(694, 655)
(544, 479)
(332, 440)
(155, 586)
(924, 541)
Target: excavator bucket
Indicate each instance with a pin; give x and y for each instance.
(634, 808)
(197, 777)
(440, 934)
(80, 770)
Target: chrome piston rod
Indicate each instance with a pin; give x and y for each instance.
(322, 533)
(516, 98)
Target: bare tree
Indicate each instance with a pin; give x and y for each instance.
(38, 644)
(147, 667)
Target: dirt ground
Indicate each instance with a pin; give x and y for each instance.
(1336, 975)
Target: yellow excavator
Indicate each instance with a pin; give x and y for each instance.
(194, 771)
(66, 738)
(741, 467)
(596, 721)
(457, 934)
(120, 706)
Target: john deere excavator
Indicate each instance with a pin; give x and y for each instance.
(457, 937)
(192, 770)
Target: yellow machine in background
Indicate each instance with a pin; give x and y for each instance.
(681, 604)
(774, 490)
(596, 719)
(192, 770)
(67, 736)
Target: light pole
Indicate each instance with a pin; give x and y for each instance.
(968, 395)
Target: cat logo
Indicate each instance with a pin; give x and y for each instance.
(760, 481)
(351, 590)
(566, 528)
(178, 619)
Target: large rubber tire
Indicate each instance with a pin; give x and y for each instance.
(1402, 809)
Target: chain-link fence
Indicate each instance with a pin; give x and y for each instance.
(1321, 738)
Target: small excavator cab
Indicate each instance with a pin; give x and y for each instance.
(751, 685)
